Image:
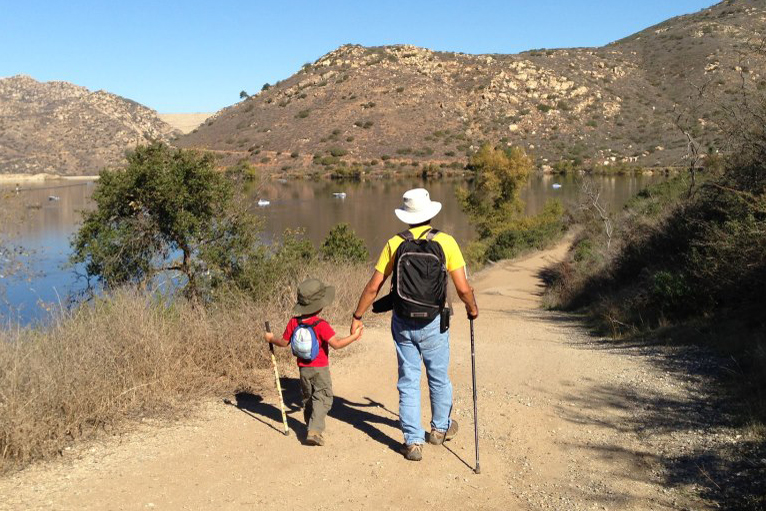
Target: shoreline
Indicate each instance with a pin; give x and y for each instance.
(42, 177)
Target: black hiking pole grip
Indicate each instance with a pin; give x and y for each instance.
(476, 470)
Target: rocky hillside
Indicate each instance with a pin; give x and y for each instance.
(402, 106)
(61, 128)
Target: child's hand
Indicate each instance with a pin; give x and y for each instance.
(269, 337)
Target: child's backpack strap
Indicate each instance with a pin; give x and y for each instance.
(312, 325)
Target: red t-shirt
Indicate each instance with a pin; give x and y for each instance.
(324, 333)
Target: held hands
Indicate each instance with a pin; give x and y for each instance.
(355, 325)
(357, 334)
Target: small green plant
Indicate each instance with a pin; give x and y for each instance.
(303, 113)
(337, 151)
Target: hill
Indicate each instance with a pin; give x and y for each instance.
(401, 106)
(185, 123)
(61, 128)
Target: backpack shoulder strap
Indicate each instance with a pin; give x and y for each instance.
(406, 235)
(315, 323)
(432, 233)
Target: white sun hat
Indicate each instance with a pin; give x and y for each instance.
(417, 207)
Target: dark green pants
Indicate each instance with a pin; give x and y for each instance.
(316, 386)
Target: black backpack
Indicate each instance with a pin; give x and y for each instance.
(419, 280)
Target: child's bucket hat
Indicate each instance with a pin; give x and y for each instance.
(313, 295)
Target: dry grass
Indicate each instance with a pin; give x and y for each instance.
(128, 355)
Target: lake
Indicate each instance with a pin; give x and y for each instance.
(309, 205)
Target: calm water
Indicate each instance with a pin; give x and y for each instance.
(368, 208)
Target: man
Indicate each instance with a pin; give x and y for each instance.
(418, 326)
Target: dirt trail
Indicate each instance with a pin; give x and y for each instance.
(556, 430)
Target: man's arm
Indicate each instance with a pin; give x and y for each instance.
(368, 296)
(465, 292)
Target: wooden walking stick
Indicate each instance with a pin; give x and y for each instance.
(476, 470)
(279, 384)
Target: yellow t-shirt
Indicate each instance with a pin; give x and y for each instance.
(452, 254)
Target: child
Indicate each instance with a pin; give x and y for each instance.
(316, 385)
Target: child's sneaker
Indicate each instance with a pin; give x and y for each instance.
(314, 438)
(413, 452)
(437, 437)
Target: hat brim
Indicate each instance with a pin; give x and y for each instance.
(410, 218)
(317, 305)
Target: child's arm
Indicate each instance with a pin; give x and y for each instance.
(269, 337)
(338, 343)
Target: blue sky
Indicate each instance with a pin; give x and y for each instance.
(197, 56)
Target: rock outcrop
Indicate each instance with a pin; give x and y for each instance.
(408, 106)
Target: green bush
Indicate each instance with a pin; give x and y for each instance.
(343, 245)
(303, 114)
(535, 233)
(337, 151)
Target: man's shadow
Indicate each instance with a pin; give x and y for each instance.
(361, 416)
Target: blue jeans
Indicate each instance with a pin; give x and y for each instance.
(415, 341)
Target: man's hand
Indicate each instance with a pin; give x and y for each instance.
(472, 311)
(268, 337)
(355, 324)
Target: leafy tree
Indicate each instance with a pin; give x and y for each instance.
(495, 199)
(343, 244)
(169, 210)
(266, 86)
(243, 95)
(243, 170)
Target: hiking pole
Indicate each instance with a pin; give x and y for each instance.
(476, 470)
(279, 385)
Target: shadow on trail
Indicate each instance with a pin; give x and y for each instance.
(687, 419)
(361, 416)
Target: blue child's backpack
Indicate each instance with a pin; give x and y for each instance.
(304, 341)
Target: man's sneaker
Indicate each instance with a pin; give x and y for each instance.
(437, 437)
(314, 438)
(413, 452)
